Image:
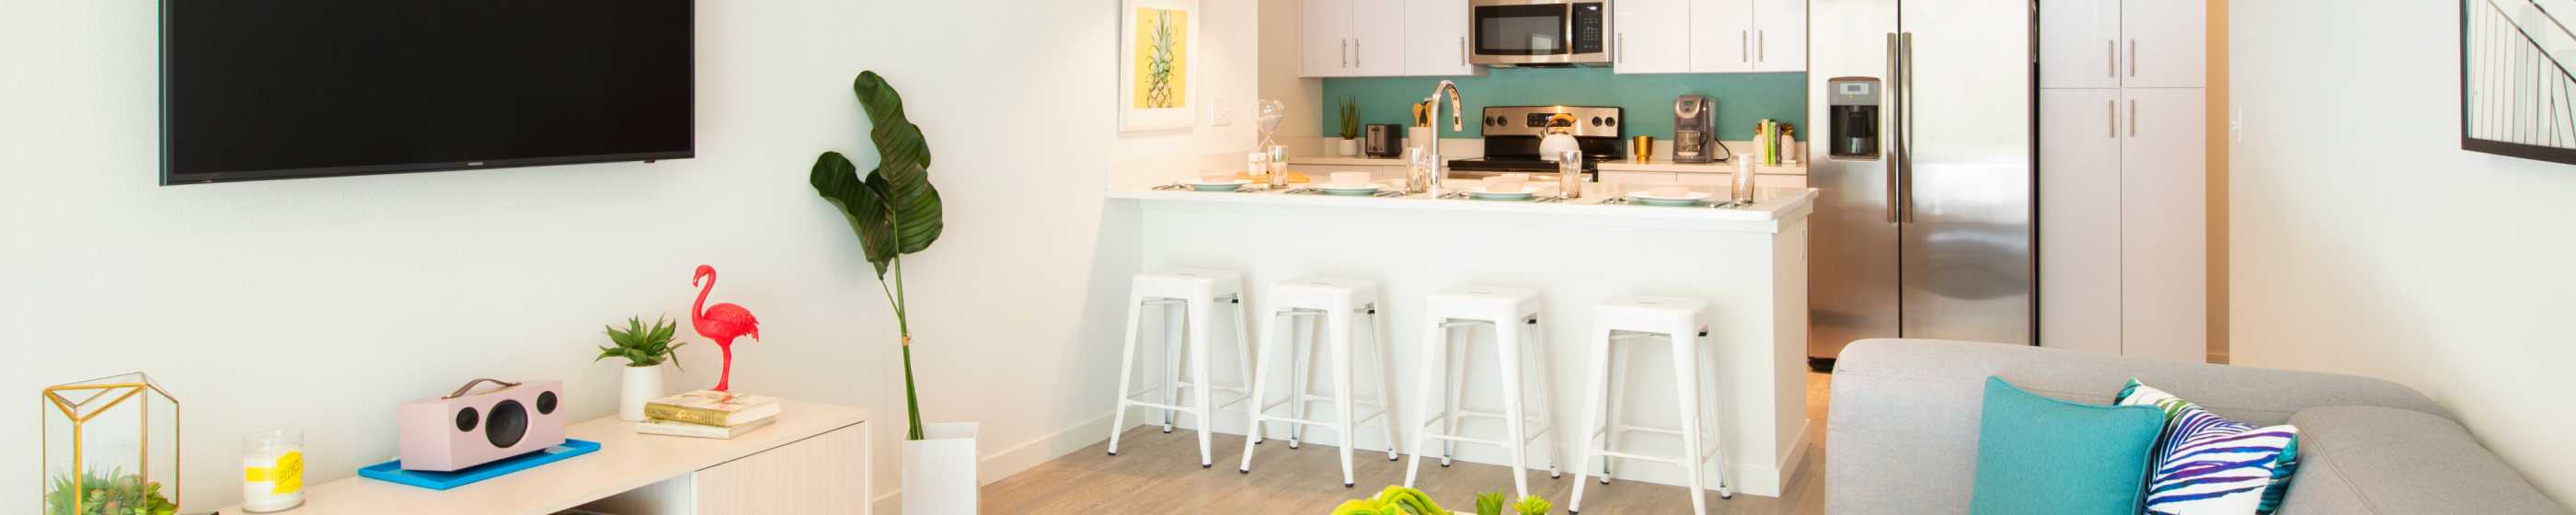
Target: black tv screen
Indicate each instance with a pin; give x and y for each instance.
(275, 89)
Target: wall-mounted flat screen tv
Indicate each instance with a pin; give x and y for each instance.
(278, 89)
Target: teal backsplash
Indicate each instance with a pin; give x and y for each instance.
(1742, 98)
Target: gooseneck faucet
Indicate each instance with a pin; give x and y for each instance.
(1427, 165)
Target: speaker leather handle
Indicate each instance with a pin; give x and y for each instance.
(469, 386)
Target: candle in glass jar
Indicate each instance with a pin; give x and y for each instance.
(272, 471)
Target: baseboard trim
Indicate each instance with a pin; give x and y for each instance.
(996, 466)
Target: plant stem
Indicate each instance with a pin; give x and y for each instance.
(911, 401)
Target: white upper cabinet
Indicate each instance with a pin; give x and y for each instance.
(1377, 39)
(1651, 36)
(1435, 38)
(2167, 44)
(1324, 33)
(1722, 36)
(2080, 44)
(1729, 36)
(1779, 35)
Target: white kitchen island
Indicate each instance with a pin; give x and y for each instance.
(1749, 263)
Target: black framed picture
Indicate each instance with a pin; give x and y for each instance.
(2517, 97)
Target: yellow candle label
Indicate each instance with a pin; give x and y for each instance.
(288, 473)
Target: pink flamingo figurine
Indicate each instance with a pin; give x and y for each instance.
(722, 322)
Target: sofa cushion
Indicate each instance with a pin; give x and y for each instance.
(2368, 460)
(2209, 465)
(1904, 420)
(2037, 455)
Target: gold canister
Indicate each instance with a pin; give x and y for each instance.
(1641, 149)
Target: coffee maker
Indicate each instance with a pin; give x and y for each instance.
(1852, 106)
(1695, 129)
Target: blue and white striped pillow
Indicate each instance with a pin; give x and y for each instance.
(2206, 464)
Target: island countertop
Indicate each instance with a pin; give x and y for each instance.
(1774, 207)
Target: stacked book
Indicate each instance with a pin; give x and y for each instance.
(708, 414)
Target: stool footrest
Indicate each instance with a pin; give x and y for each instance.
(1364, 418)
(1634, 456)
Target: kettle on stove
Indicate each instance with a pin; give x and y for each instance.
(1560, 137)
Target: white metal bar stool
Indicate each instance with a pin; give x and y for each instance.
(1512, 314)
(1188, 299)
(1683, 323)
(1335, 303)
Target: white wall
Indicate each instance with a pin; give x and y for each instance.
(2365, 241)
(319, 304)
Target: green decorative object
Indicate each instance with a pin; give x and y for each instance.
(1350, 118)
(1533, 505)
(642, 346)
(110, 493)
(1489, 503)
(893, 209)
(1394, 500)
(109, 446)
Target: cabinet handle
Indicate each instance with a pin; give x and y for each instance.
(2133, 57)
(1462, 50)
(2133, 118)
(1762, 45)
(1346, 53)
(1744, 46)
(1357, 60)
(2112, 107)
(1623, 48)
(2111, 50)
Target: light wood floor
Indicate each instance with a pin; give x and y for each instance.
(1159, 473)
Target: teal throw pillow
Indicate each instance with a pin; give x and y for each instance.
(2037, 455)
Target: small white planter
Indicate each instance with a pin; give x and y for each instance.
(1346, 147)
(939, 470)
(640, 385)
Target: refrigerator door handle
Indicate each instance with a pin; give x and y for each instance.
(1895, 122)
(1905, 184)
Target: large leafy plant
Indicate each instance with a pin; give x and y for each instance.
(893, 209)
(642, 346)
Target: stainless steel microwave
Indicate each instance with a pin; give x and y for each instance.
(1540, 32)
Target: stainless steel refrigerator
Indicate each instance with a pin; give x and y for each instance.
(1928, 233)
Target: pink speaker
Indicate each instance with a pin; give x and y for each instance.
(464, 429)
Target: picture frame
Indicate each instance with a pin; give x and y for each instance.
(2517, 97)
(1158, 44)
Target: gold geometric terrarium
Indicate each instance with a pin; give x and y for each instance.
(111, 446)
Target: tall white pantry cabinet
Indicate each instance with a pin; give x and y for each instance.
(2123, 178)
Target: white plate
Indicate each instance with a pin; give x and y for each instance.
(1219, 186)
(1360, 188)
(1693, 196)
(1479, 193)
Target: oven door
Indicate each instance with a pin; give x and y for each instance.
(1540, 32)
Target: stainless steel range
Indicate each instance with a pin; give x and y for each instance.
(1512, 135)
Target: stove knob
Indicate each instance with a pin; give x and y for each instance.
(1596, 121)
(1614, 121)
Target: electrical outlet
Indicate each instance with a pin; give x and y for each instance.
(1220, 114)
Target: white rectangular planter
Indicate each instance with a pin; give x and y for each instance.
(939, 470)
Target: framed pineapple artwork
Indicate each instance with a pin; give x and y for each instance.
(1158, 43)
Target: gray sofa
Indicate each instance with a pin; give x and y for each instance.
(1902, 436)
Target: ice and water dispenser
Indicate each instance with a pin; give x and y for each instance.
(1852, 104)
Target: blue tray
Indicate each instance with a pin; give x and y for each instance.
(392, 471)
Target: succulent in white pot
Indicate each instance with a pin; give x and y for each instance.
(644, 349)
